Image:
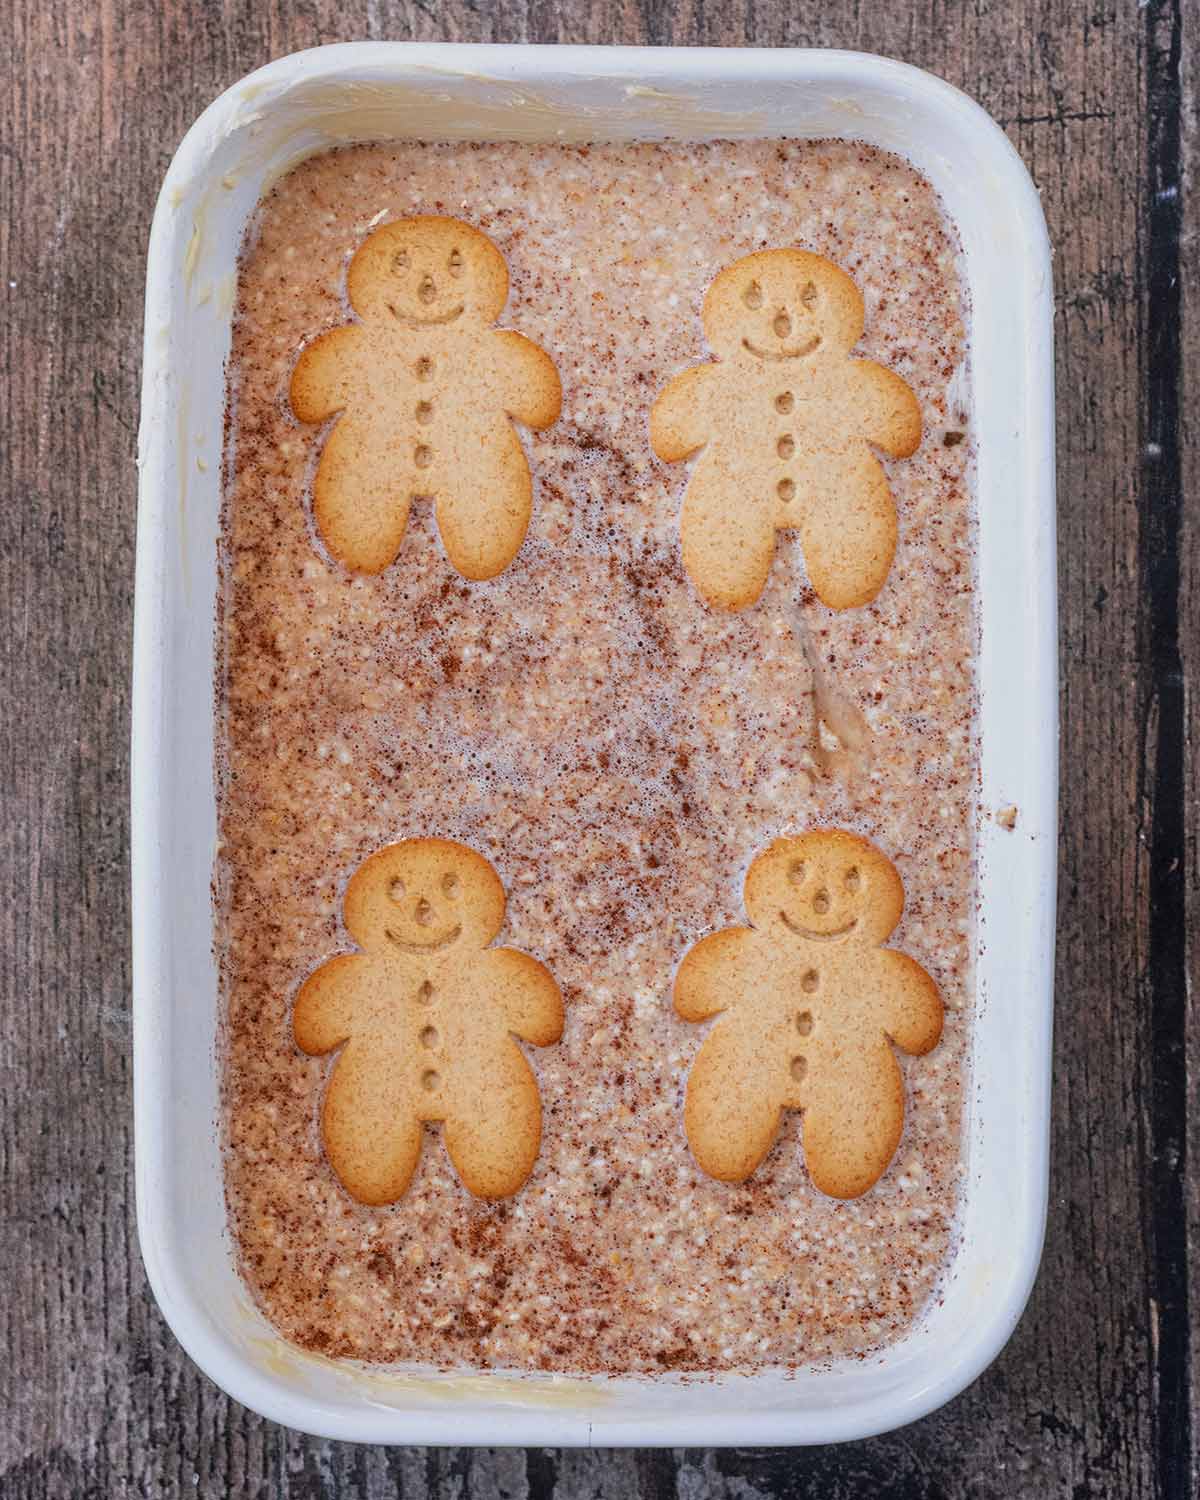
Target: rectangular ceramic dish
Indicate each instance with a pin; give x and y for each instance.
(240, 145)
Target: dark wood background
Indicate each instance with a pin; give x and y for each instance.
(1095, 1396)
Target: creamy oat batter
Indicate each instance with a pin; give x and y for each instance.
(616, 749)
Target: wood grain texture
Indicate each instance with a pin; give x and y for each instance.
(1094, 1396)
(1189, 632)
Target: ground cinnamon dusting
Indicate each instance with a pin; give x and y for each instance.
(619, 753)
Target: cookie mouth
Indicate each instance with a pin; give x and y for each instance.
(817, 937)
(431, 947)
(797, 351)
(432, 320)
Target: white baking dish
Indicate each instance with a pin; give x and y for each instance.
(380, 91)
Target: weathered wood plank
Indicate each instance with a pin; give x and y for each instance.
(1163, 773)
(1189, 637)
(98, 1398)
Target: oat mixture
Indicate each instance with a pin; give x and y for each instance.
(617, 750)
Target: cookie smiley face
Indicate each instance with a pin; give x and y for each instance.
(424, 897)
(825, 887)
(428, 272)
(780, 306)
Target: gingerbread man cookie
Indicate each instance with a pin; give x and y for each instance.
(425, 387)
(786, 422)
(425, 1016)
(810, 1005)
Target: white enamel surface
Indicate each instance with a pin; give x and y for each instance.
(377, 91)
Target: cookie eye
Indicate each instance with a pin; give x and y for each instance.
(400, 260)
(853, 880)
(809, 294)
(796, 872)
(396, 890)
(450, 884)
(752, 296)
(455, 262)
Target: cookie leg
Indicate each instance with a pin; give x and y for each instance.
(372, 1137)
(730, 1116)
(360, 498)
(493, 1131)
(483, 511)
(851, 1131)
(849, 537)
(727, 537)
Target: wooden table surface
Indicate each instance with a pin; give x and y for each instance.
(1095, 1394)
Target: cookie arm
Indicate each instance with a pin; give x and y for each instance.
(678, 420)
(324, 378)
(324, 1013)
(713, 974)
(526, 993)
(889, 414)
(529, 383)
(910, 1006)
